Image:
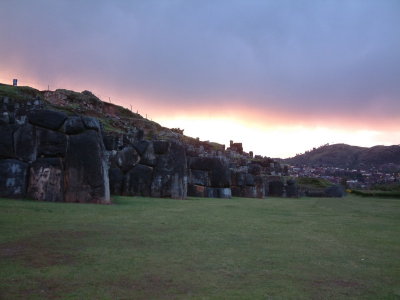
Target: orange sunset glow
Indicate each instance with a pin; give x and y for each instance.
(280, 87)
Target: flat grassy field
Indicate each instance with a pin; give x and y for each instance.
(143, 248)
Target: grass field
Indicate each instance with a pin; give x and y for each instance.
(142, 248)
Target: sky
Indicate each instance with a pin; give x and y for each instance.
(279, 76)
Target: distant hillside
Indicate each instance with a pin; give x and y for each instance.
(346, 156)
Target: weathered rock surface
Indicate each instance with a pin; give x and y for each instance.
(47, 118)
(127, 158)
(6, 141)
(73, 125)
(46, 180)
(86, 173)
(170, 173)
(335, 191)
(26, 143)
(71, 158)
(13, 178)
(276, 188)
(138, 181)
(51, 143)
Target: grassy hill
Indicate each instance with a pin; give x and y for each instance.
(346, 156)
(114, 118)
(275, 248)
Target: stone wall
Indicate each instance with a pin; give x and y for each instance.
(51, 156)
(147, 168)
(47, 155)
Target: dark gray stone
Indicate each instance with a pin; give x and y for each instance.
(218, 167)
(51, 143)
(138, 181)
(250, 180)
(127, 158)
(46, 180)
(255, 169)
(250, 192)
(198, 177)
(170, 174)
(4, 118)
(26, 143)
(225, 193)
(13, 178)
(336, 191)
(238, 179)
(47, 118)
(236, 191)
(116, 178)
(91, 123)
(196, 190)
(148, 157)
(73, 125)
(292, 189)
(141, 146)
(86, 174)
(7, 141)
(211, 192)
(276, 188)
(161, 147)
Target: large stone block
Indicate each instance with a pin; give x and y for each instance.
(26, 143)
(236, 191)
(225, 193)
(255, 169)
(91, 123)
(198, 177)
(218, 167)
(46, 180)
(250, 192)
(138, 181)
(127, 158)
(148, 156)
(161, 147)
(13, 178)
(7, 141)
(196, 190)
(51, 143)
(116, 178)
(47, 118)
(141, 146)
(238, 179)
(73, 125)
(336, 191)
(250, 180)
(276, 188)
(291, 189)
(211, 192)
(170, 173)
(221, 177)
(86, 174)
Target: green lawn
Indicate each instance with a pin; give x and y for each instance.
(143, 248)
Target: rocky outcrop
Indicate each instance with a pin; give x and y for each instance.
(148, 168)
(50, 156)
(68, 156)
(209, 177)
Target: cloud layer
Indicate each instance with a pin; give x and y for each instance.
(314, 59)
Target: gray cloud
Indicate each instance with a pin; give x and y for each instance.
(318, 57)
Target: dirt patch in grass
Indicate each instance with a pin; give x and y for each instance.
(336, 283)
(347, 288)
(40, 288)
(44, 250)
(152, 286)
